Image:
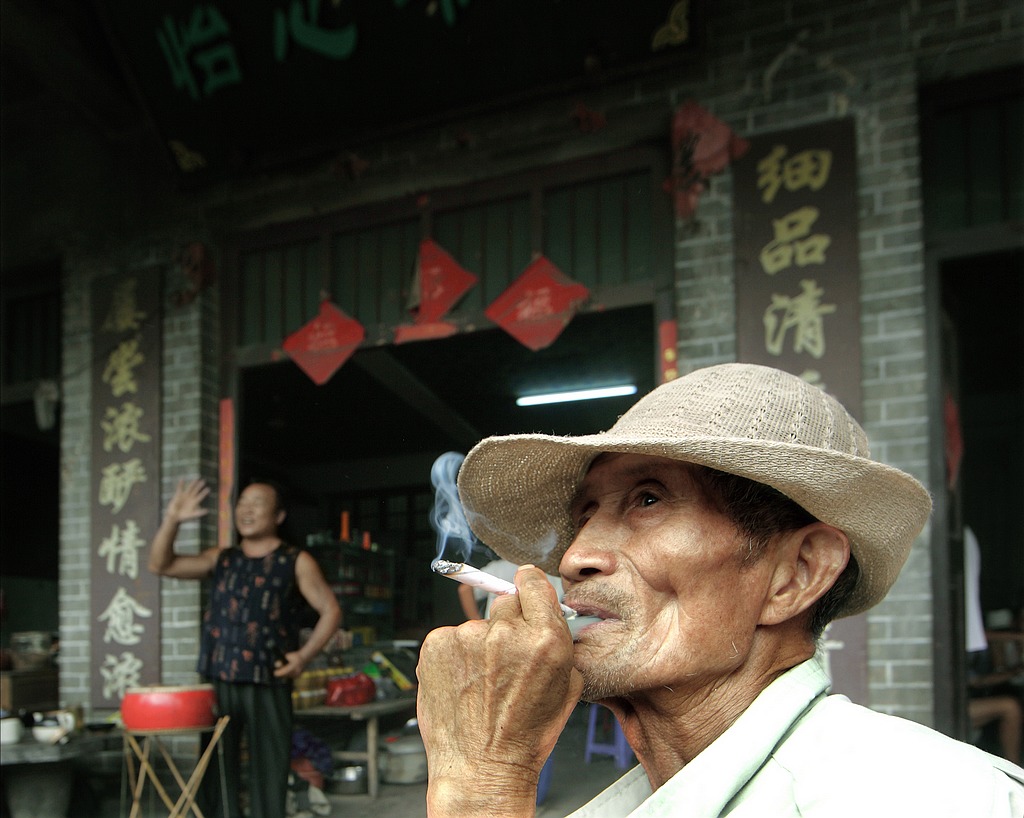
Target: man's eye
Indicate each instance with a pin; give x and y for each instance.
(646, 499)
(579, 520)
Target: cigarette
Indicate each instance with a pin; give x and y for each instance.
(468, 575)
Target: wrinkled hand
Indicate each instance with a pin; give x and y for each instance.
(494, 695)
(187, 501)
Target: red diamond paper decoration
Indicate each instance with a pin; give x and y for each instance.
(325, 343)
(538, 305)
(442, 282)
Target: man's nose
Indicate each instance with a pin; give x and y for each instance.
(592, 551)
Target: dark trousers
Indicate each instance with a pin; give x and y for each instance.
(264, 712)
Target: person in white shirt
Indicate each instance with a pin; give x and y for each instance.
(715, 530)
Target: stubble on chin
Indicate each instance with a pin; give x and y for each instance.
(607, 663)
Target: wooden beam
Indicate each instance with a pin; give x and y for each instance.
(380, 365)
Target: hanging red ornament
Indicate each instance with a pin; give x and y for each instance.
(438, 284)
(702, 145)
(321, 346)
(538, 305)
(441, 282)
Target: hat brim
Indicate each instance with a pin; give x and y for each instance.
(516, 492)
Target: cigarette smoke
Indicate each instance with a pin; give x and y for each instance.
(447, 517)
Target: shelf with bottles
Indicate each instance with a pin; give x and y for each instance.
(361, 574)
(362, 560)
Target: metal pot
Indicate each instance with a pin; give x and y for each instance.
(350, 780)
(403, 760)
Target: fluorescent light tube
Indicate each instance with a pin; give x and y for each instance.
(577, 394)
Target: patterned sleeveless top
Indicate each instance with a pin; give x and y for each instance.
(250, 616)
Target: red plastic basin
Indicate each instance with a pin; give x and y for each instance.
(166, 707)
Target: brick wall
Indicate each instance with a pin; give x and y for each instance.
(190, 348)
(75, 488)
(190, 354)
(779, 65)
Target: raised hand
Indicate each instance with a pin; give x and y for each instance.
(187, 501)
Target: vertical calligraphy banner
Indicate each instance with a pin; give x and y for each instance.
(125, 505)
(796, 238)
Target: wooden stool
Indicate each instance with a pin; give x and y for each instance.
(186, 801)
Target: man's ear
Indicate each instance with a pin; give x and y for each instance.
(808, 562)
(280, 516)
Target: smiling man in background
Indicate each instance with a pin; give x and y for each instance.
(249, 648)
(716, 529)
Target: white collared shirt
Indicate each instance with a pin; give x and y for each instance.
(798, 753)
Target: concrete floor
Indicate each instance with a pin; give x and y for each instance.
(572, 784)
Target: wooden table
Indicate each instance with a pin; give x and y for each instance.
(370, 713)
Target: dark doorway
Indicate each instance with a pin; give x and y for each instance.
(983, 372)
(364, 442)
(984, 299)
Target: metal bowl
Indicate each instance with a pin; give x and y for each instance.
(349, 780)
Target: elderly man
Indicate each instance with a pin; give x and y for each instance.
(715, 529)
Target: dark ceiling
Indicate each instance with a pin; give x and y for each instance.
(228, 89)
(55, 56)
(59, 66)
(431, 397)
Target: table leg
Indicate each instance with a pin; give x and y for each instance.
(372, 754)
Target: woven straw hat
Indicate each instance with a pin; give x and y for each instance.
(753, 421)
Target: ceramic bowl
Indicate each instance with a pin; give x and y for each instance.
(48, 733)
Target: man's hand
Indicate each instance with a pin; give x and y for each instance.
(292, 667)
(187, 501)
(186, 504)
(494, 695)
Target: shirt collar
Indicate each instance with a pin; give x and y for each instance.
(712, 779)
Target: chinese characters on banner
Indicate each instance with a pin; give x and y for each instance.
(796, 240)
(797, 257)
(125, 503)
